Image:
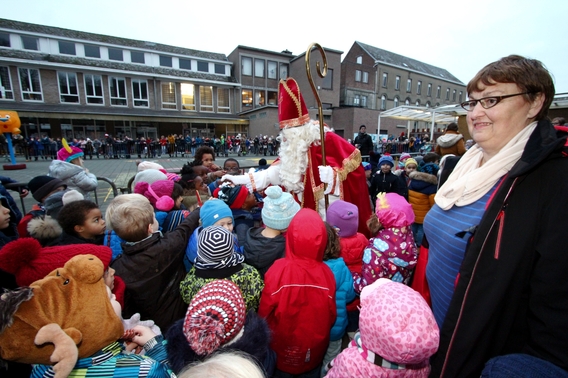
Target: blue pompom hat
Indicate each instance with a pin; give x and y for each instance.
(386, 159)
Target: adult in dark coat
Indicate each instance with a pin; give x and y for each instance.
(363, 141)
(510, 293)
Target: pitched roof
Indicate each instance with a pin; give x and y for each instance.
(106, 39)
(407, 63)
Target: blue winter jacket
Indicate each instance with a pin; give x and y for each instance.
(344, 293)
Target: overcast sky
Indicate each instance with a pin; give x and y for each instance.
(460, 36)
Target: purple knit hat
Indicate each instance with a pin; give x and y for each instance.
(344, 216)
(69, 153)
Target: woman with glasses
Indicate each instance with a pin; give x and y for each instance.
(498, 263)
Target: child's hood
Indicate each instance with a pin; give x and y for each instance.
(393, 210)
(394, 309)
(306, 237)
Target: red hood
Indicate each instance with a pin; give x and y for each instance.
(306, 237)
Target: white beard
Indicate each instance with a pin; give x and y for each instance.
(294, 145)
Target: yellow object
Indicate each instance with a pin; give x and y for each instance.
(9, 121)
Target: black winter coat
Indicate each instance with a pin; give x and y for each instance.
(512, 292)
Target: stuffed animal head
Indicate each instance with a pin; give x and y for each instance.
(9, 122)
(73, 297)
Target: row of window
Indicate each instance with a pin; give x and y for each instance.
(116, 54)
(31, 89)
(274, 70)
(419, 88)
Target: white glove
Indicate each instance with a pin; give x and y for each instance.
(327, 175)
(239, 180)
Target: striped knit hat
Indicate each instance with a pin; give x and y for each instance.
(215, 316)
(215, 249)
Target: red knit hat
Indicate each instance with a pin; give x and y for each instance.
(235, 196)
(292, 110)
(29, 262)
(215, 316)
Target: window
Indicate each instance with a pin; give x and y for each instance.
(5, 40)
(418, 87)
(169, 95)
(283, 71)
(429, 90)
(185, 64)
(364, 101)
(202, 66)
(397, 83)
(447, 93)
(438, 92)
(460, 97)
(219, 69)
(137, 57)
(67, 48)
(187, 96)
(385, 79)
(246, 95)
(165, 61)
(94, 89)
(383, 102)
(92, 51)
(117, 90)
(31, 84)
(6, 92)
(272, 70)
(409, 85)
(428, 104)
(30, 43)
(206, 98)
(115, 54)
(246, 69)
(359, 60)
(365, 77)
(68, 89)
(356, 100)
(223, 100)
(396, 102)
(327, 81)
(260, 98)
(417, 103)
(140, 93)
(454, 95)
(407, 102)
(357, 75)
(259, 68)
(273, 97)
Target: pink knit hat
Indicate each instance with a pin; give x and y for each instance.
(393, 210)
(215, 316)
(159, 193)
(69, 153)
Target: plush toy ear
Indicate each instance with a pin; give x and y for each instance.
(165, 203)
(65, 354)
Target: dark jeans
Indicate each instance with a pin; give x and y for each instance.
(521, 365)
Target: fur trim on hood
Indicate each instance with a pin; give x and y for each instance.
(44, 229)
(423, 176)
(448, 139)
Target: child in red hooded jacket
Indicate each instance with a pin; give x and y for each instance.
(298, 300)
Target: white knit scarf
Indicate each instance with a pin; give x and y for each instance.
(469, 181)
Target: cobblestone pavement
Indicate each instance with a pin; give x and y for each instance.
(119, 171)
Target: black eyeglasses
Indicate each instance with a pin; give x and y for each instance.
(488, 102)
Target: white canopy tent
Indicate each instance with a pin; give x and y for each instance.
(440, 115)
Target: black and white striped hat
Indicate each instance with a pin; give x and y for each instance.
(215, 244)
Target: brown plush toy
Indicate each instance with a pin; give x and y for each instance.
(73, 297)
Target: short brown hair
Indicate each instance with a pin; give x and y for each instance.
(130, 219)
(529, 75)
(333, 246)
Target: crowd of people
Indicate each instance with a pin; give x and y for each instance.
(450, 265)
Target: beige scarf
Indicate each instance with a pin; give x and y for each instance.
(469, 181)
